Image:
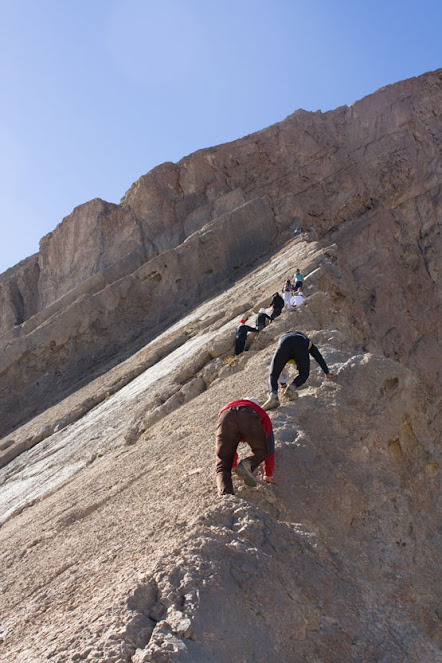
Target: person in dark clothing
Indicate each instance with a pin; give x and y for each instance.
(243, 421)
(261, 319)
(241, 336)
(293, 347)
(277, 305)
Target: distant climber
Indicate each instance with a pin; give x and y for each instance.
(298, 278)
(241, 336)
(261, 319)
(293, 347)
(287, 293)
(277, 305)
(297, 299)
(243, 421)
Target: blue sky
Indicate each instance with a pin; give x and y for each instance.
(95, 93)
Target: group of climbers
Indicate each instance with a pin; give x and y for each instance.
(292, 291)
(292, 298)
(245, 420)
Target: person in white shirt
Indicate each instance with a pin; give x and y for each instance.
(297, 299)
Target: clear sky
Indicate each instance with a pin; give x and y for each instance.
(95, 93)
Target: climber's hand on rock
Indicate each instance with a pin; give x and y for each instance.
(330, 376)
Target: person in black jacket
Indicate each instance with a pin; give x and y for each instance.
(293, 347)
(241, 336)
(277, 305)
(261, 319)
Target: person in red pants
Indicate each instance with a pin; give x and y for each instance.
(243, 421)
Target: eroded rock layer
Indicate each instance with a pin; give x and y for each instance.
(116, 547)
(103, 278)
(114, 544)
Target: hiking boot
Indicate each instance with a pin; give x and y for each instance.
(291, 393)
(271, 402)
(243, 470)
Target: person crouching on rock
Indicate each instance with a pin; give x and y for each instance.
(261, 319)
(243, 421)
(241, 336)
(293, 347)
(277, 305)
(297, 299)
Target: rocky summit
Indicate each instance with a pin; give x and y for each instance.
(117, 355)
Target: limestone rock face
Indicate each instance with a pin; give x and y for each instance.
(18, 294)
(378, 157)
(96, 235)
(73, 341)
(127, 554)
(116, 356)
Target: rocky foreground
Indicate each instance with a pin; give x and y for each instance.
(114, 544)
(130, 555)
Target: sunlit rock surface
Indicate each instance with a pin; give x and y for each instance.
(103, 279)
(114, 545)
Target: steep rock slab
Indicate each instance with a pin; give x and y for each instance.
(95, 327)
(317, 169)
(128, 560)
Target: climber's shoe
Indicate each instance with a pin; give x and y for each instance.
(271, 402)
(243, 470)
(290, 393)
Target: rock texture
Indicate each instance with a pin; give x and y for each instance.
(318, 170)
(114, 545)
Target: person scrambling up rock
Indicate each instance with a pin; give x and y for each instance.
(243, 421)
(261, 319)
(241, 336)
(277, 305)
(293, 347)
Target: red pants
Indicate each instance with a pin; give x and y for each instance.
(234, 425)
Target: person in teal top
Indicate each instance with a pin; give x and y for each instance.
(298, 278)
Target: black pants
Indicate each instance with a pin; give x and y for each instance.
(234, 425)
(275, 313)
(240, 344)
(290, 346)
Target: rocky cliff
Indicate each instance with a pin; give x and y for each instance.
(103, 278)
(115, 546)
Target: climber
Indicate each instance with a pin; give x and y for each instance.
(241, 336)
(293, 347)
(287, 293)
(297, 298)
(277, 305)
(243, 421)
(261, 319)
(298, 278)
